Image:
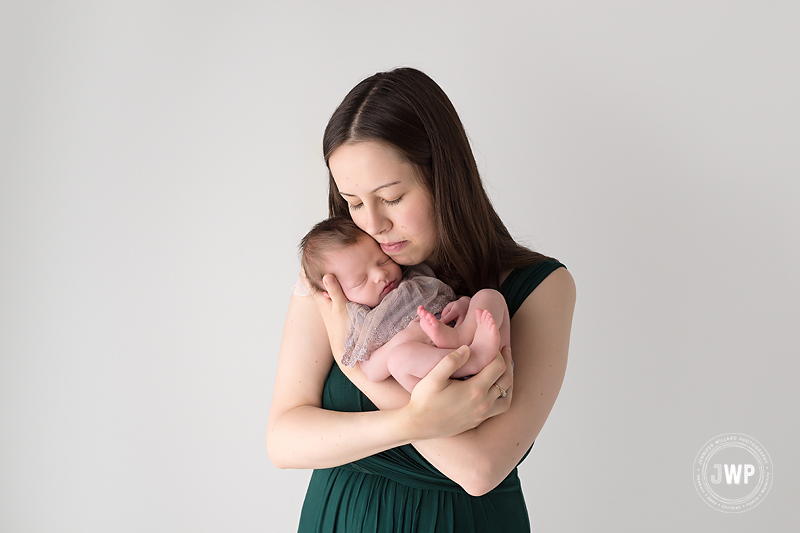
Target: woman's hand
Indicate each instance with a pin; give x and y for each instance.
(443, 407)
(332, 305)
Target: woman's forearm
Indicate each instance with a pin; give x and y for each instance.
(301, 434)
(312, 437)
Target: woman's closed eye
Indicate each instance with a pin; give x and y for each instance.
(393, 202)
(386, 202)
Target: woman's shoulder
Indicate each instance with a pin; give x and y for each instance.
(520, 282)
(551, 305)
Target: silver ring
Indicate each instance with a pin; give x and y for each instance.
(501, 389)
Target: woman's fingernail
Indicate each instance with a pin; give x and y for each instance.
(326, 280)
(463, 350)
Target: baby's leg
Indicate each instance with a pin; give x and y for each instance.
(442, 335)
(410, 362)
(484, 347)
(376, 368)
(486, 329)
(492, 301)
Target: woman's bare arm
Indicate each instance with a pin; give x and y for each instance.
(481, 458)
(300, 434)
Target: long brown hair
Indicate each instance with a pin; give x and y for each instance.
(407, 109)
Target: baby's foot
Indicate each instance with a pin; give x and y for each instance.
(443, 336)
(486, 342)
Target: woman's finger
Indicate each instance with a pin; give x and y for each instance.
(506, 353)
(334, 291)
(332, 305)
(506, 381)
(439, 377)
(503, 385)
(494, 372)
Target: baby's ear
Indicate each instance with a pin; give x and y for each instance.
(326, 295)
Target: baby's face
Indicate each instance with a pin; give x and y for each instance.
(365, 273)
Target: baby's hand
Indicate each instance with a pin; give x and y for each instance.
(456, 311)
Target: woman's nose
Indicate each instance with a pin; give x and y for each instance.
(376, 223)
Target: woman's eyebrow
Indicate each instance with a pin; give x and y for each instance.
(376, 189)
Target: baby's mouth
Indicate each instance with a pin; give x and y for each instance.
(388, 288)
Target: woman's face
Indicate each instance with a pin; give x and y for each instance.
(386, 200)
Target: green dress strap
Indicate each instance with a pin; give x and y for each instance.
(521, 282)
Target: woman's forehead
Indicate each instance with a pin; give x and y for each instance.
(369, 166)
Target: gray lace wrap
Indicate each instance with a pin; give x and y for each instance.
(372, 328)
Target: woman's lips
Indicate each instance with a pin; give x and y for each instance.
(388, 288)
(392, 247)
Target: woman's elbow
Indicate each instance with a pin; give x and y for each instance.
(276, 460)
(274, 452)
(479, 487)
(481, 479)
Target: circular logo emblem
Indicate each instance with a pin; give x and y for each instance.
(732, 473)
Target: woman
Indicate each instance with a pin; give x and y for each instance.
(443, 458)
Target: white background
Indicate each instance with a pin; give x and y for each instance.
(160, 161)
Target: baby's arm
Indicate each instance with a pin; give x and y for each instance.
(456, 310)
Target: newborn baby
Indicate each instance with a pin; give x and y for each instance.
(393, 327)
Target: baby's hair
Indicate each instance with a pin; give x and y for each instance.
(327, 236)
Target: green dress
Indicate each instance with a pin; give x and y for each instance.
(399, 490)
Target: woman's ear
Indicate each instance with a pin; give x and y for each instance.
(326, 295)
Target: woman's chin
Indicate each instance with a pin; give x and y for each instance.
(407, 257)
